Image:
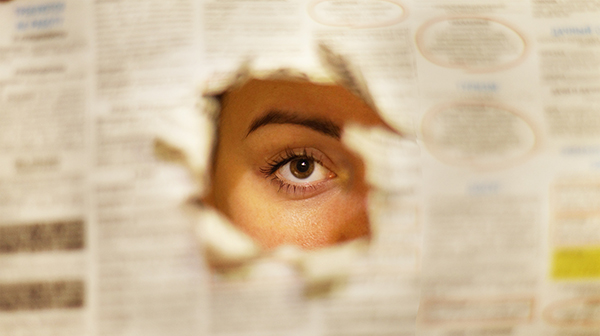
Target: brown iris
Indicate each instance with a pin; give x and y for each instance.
(302, 167)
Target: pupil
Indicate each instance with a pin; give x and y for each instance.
(302, 166)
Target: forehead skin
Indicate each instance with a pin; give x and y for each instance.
(251, 200)
(310, 99)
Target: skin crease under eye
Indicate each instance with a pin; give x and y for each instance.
(284, 226)
(240, 191)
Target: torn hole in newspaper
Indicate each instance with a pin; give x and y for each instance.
(283, 181)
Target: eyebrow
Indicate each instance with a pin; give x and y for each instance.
(321, 125)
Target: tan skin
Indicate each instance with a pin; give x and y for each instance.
(281, 173)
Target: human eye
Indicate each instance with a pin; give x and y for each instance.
(299, 173)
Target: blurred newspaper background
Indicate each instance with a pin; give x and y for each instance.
(486, 220)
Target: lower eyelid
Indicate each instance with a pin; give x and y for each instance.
(302, 191)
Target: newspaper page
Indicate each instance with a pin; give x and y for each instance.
(507, 94)
(482, 175)
(44, 247)
(92, 242)
(485, 168)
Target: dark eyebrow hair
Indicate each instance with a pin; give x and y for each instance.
(322, 125)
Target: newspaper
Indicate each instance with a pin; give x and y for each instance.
(484, 211)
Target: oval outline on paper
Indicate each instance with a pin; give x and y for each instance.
(419, 41)
(438, 152)
(427, 303)
(547, 312)
(312, 13)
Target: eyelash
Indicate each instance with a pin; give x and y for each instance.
(274, 164)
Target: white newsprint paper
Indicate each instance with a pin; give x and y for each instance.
(485, 189)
